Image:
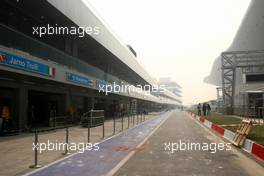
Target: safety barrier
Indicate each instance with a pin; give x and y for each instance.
(255, 114)
(248, 145)
(56, 121)
(36, 145)
(93, 118)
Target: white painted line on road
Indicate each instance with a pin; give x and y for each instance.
(246, 147)
(59, 160)
(54, 162)
(124, 160)
(207, 129)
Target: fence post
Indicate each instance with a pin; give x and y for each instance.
(36, 165)
(67, 142)
(133, 118)
(103, 128)
(55, 119)
(137, 118)
(89, 125)
(122, 119)
(128, 120)
(114, 124)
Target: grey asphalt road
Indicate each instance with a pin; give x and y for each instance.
(154, 160)
(110, 153)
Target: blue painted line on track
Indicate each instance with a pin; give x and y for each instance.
(97, 163)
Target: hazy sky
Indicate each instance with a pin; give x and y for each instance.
(176, 38)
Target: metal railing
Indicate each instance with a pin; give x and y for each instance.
(57, 121)
(14, 39)
(96, 119)
(255, 114)
(90, 119)
(36, 148)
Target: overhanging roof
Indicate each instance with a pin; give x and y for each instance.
(81, 13)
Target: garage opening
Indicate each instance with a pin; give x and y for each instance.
(256, 104)
(8, 109)
(43, 107)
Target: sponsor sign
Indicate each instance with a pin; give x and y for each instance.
(22, 63)
(79, 79)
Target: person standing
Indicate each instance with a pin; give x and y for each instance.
(199, 107)
(208, 109)
(204, 109)
(6, 118)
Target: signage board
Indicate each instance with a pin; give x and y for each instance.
(28, 65)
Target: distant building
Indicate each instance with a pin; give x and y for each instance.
(240, 70)
(132, 50)
(172, 87)
(44, 79)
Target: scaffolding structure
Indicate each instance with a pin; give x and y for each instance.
(249, 61)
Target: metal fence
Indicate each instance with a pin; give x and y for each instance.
(93, 118)
(255, 114)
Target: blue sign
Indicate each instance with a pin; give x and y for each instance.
(102, 85)
(79, 79)
(25, 64)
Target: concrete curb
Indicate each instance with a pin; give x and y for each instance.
(249, 146)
